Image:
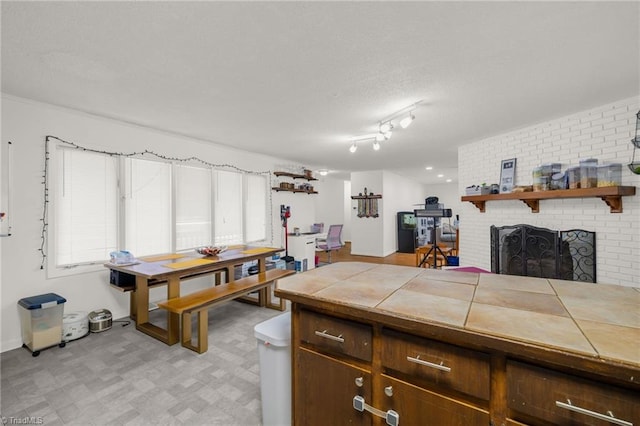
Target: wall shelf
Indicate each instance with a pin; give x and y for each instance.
(275, 188)
(294, 176)
(611, 195)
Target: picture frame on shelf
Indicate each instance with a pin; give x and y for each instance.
(507, 175)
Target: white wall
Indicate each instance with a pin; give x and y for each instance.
(378, 236)
(603, 133)
(329, 204)
(367, 232)
(26, 124)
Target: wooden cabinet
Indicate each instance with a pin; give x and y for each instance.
(329, 371)
(341, 353)
(536, 395)
(422, 381)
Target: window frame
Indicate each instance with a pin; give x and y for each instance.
(52, 270)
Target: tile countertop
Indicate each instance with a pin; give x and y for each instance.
(594, 320)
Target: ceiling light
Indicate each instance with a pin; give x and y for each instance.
(440, 175)
(405, 122)
(385, 127)
(323, 172)
(448, 180)
(428, 168)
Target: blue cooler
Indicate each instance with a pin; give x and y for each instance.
(41, 319)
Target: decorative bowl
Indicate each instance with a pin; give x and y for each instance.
(211, 250)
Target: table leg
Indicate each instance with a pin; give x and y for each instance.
(173, 319)
(262, 293)
(142, 301)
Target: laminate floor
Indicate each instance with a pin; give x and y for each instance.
(124, 377)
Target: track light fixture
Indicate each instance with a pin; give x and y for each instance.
(406, 122)
(386, 126)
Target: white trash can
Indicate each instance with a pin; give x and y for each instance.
(274, 351)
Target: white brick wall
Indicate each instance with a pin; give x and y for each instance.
(603, 133)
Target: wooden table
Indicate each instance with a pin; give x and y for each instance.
(423, 250)
(172, 269)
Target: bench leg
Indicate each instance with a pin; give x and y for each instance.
(186, 329)
(202, 333)
(281, 306)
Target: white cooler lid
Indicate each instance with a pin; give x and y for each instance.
(275, 331)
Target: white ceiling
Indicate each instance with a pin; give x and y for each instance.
(298, 79)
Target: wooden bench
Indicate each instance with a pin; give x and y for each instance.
(200, 301)
(131, 289)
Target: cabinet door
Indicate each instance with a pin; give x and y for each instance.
(324, 389)
(420, 407)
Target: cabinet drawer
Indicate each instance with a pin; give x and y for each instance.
(460, 369)
(420, 407)
(568, 400)
(336, 335)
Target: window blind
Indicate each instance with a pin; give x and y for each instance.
(85, 207)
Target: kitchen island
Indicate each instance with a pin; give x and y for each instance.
(385, 344)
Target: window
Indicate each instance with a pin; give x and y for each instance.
(85, 207)
(193, 207)
(228, 208)
(147, 205)
(256, 208)
(101, 202)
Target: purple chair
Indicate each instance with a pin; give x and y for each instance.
(333, 241)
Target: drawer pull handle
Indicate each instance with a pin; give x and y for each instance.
(606, 417)
(359, 382)
(392, 417)
(329, 336)
(417, 360)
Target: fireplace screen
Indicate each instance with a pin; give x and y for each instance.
(539, 252)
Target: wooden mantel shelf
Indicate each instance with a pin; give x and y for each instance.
(611, 195)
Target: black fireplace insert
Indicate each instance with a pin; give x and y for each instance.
(527, 250)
